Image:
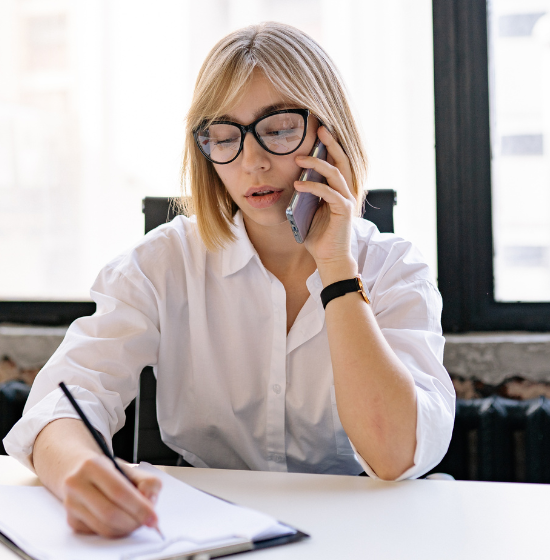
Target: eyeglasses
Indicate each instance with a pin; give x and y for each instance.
(279, 133)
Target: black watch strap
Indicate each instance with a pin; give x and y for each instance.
(342, 288)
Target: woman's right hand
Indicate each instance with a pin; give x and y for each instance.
(98, 499)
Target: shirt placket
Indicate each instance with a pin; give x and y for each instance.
(276, 389)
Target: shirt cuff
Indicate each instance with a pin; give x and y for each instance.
(19, 442)
(434, 428)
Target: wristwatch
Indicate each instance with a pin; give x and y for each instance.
(344, 287)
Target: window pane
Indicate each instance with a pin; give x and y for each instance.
(92, 106)
(519, 58)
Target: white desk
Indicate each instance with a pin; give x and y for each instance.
(358, 518)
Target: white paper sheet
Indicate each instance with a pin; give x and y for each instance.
(189, 519)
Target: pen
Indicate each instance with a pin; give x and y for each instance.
(98, 440)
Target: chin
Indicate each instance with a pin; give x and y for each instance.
(267, 217)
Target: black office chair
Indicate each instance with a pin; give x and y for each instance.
(13, 396)
(147, 444)
(378, 208)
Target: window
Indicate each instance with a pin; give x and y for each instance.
(92, 108)
(492, 167)
(519, 101)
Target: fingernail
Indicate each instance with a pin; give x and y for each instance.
(300, 157)
(153, 498)
(151, 521)
(298, 182)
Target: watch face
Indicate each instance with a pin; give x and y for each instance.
(362, 289)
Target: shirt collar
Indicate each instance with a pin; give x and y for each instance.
(237, 255)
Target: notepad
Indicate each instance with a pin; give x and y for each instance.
(191, 520)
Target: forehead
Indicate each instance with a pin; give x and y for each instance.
(259, 97)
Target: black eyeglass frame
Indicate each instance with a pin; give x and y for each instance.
(252, 128)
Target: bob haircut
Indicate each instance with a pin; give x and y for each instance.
(302, 72)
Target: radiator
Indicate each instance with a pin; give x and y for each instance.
(500, 439)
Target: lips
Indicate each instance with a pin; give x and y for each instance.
(263, 196)
(261, 193)
(262, 190)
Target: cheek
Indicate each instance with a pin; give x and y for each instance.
(219, 169)
(287, 168)
(307, 146)
(225, 174)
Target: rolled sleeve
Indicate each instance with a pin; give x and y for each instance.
(435, 398)
(407, 307)
(422, 354)
(20, 440)
(100, 360)
(434, 425)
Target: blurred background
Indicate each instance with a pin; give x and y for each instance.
(93, 97)
(519, 79)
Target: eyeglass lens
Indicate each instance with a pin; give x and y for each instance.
(280, 133)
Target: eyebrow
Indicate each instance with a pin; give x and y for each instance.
(262, 111)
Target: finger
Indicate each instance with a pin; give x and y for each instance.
(91, 526)
(88, 504)
(149, 485)
(123, 494)
(101, 474)
(77, 525)
(336, 152)
(333, 175)
(333, 147)
(114, 514)
(82, 518)
(338, 203)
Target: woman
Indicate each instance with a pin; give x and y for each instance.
(253, 372)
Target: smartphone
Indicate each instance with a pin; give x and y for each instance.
(302, 206)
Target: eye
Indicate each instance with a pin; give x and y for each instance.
(279, 131)
(282, 128)
(222, 135)
(223, 141)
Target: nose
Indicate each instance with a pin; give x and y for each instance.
(254, 157)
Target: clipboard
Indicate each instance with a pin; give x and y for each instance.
(208, 527)
(204, 554)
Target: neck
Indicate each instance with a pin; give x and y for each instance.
(277, 248)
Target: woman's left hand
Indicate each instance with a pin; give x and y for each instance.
(329, 238)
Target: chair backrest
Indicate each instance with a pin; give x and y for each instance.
(378, 208)
(13, 396)
(158, 210)
(148, 445)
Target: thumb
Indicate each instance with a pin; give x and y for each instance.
(148, 484)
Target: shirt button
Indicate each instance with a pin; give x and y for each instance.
(276, 389)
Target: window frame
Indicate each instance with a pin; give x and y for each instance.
(463, 177)
(47, 313)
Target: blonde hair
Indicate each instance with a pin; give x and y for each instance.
(301, 71)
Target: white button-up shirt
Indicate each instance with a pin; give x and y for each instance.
(233, 389)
